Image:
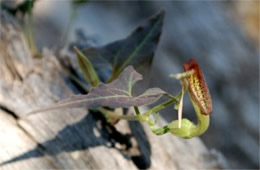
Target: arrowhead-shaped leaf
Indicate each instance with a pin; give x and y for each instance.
(115, 95)
(137, 49)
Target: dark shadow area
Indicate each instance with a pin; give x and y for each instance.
(81, 136)
(142, 157)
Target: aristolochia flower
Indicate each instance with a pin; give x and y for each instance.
(197, 87)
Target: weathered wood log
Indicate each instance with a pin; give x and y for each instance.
(73, 139)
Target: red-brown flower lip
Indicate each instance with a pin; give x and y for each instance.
(198, 87)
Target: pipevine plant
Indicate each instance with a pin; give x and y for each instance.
(111, 97)
(118, 94)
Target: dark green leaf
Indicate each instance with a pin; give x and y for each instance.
(115, 95)
(137, 49)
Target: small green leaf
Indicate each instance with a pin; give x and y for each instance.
(137, 49)
(87, 68)
(117, 94)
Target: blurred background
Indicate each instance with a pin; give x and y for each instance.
(223, 36)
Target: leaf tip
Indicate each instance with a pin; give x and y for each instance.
(75, 48)
(159, 15)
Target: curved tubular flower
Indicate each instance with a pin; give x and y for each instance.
(198, 87)
(193, 81)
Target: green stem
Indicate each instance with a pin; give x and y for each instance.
(159, 107)
(137, 111)
(113, 115)
(66, 34)
(203, 121)
(28, 29)
(160, 131)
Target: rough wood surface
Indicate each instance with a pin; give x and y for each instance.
(73, 139)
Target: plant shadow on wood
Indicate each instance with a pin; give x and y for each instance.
(81, 136)
(92, 131)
